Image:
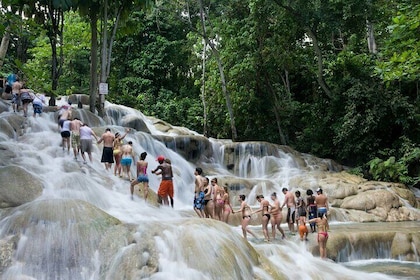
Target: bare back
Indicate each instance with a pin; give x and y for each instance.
(321, 200)
(75, 126)
(127, 150)
(289, 200)
(166, 170)
(108, 139)
(16, 87)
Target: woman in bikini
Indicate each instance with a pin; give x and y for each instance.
(264, 208)
(276, 217)
(322, 236)
(227, 206)
(118, 142)
(311, 206)
(220, 203)
(141, 176)
(246, 216)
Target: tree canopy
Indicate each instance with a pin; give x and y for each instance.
(337, 79)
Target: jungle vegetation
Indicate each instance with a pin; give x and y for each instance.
(335, 78)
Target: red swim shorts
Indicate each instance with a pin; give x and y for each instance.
(166, 188)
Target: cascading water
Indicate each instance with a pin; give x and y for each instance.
(85, 226)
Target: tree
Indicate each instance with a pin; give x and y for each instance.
(111, 13)
(50, 15)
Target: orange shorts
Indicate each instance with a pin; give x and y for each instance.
(302, 230)
(166, 188)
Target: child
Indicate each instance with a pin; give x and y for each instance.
(303, 230)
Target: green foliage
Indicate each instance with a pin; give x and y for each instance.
(405, 168)
(74, 78)
(389, 170)
(401, 54)
(271, 71)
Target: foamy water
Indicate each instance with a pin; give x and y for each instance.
(183, 241)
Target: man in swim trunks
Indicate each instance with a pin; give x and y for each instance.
(166, 188)
(16, 87)
(107, 155)
(75, 125)
(127, 158)
(86, 134)
(289, 200)
(200, 185)
(321, 201)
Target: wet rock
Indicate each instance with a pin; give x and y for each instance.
(18, 186)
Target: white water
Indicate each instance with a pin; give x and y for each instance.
(184, 241)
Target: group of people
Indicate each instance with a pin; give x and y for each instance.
(212, 201)
(79, 136)
(21, 96)
(313, 211)
(165, 192)
(75, 134)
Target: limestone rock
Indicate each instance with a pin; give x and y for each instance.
(192, 148)
(18, 186)
(4, 107)
(134, 122)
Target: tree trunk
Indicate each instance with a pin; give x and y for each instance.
(203, 89)
(4, 45)
(222, 74)
(320, 74)
(93, 61)
(371, 38)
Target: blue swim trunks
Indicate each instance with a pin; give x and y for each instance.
(199, 201)
(126, 161)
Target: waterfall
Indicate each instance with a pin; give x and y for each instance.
(85, 226)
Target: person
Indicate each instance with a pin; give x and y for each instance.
(321, 202)
(75, 125)
(142, 177)
(303, 229)
(16, 87)
(208, 199)
(289, 200)
(200, 184)
(65, 135)
(265, 209)
(127, 158)
(227, 206)
(107, 153)
(276, 216)
(246, 216)
(301, 216)
(300, 207)
(64, 114)
(166, 187)
(86, 134)
(38, 103)
(118, 142)
(171, 190)
(26, 98)
(8, 89)
(220, 203)
(322, 236)
(311, 207)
